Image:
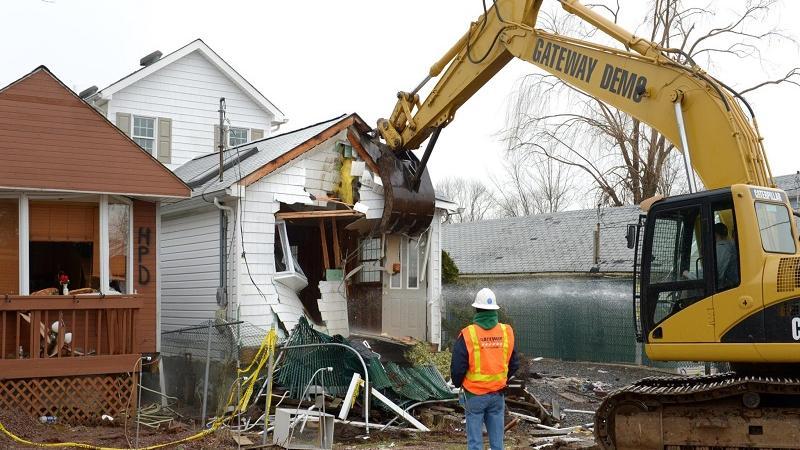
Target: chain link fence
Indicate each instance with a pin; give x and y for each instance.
(200, 365)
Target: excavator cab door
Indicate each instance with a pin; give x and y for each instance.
(682, 266)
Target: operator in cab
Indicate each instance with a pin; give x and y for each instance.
(484, 358)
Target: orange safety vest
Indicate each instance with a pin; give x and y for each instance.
(489, 353)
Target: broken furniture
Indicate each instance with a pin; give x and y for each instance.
(303, 429)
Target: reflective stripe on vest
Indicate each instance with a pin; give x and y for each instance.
(476, 375)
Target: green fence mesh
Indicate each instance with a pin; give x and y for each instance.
(402, 383)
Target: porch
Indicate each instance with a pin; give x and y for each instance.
(68, 335)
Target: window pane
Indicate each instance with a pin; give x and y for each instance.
(413, 264)
(237, 136)
(369, 257)
(281, 264)
(776, 230)
(396, 279)
(146, 144)
(726, 253)
(9, 246)
(64, 245)
(144, 127)
(119, 223)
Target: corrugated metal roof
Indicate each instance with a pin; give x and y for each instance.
(266, 150)
(558, 242)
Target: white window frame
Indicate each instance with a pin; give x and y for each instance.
(408, 262)
(401, 274)
(246, 136)
(154, 151)
(103, 251)
(282, 234)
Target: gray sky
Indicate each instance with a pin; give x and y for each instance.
(316, 59)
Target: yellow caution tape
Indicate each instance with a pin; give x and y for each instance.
(267, 348)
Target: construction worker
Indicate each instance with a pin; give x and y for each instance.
(484, 358)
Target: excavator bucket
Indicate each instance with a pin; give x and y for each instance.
(406, 209)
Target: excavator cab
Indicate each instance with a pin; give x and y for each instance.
(689, 295)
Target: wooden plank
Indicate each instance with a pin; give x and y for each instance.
(60, 302)
(317, 214)
(85, 332)
(74, 333)
(53, 367)
(324, 242)
(337, 252)
(99, 332)
(362, 152)
(3, 347)
(16, 342)
(297, 151)
(36, 321)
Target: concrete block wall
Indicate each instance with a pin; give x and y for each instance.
(333, 307)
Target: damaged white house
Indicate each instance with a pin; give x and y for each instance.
(288, 230)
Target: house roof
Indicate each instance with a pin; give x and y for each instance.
(203, 49)
(542, 243)
(51, 140)
(791, 184)
(249, 162)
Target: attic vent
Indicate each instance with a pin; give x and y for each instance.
(788, 274)
(150, 59)
(88, 92)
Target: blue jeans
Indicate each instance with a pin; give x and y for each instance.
(486, 409)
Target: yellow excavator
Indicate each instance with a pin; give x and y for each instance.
(717, 271)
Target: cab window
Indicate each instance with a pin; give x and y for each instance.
(774, 223)
(726, 246)
(676, 262)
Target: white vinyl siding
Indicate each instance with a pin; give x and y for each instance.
(189, 256)
(188, 92)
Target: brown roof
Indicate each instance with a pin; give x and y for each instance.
(52, 140)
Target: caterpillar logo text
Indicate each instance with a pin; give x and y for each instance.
(577, 65)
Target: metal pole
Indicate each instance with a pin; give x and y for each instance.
(270, 371)
(221, 133)
(205, 378)
(363, 365)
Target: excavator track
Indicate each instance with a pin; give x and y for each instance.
(725, 411)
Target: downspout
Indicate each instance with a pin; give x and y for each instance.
(222, 291)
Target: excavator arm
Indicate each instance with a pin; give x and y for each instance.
(697, 113)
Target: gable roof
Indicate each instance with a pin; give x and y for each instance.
(203, 49)
(791, 184)
(52, 140)
(542, 243)
(251, 161)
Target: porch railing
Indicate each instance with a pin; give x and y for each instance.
(68, 335)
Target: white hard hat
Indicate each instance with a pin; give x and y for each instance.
(485, 299)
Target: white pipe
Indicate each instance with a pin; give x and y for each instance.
(687, 162)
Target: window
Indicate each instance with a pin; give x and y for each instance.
(144, 132)
(370, 258)
(412, 272)
(237, 136)
(64, 246)
(726, 251)
(776, 229)
(285, 255)
(119, 239)
(394, 255)
(676, 262)
(9, 246)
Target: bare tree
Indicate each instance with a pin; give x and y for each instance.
(473, 197)
(532, 185)
(626, 160)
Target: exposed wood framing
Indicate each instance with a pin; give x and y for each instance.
(337, 253)
(324, 242)
(317, 214)
(268, 168)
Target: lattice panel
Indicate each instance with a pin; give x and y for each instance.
(73, 400)
(788, 274)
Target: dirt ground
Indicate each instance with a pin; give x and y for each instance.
(573, 385)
